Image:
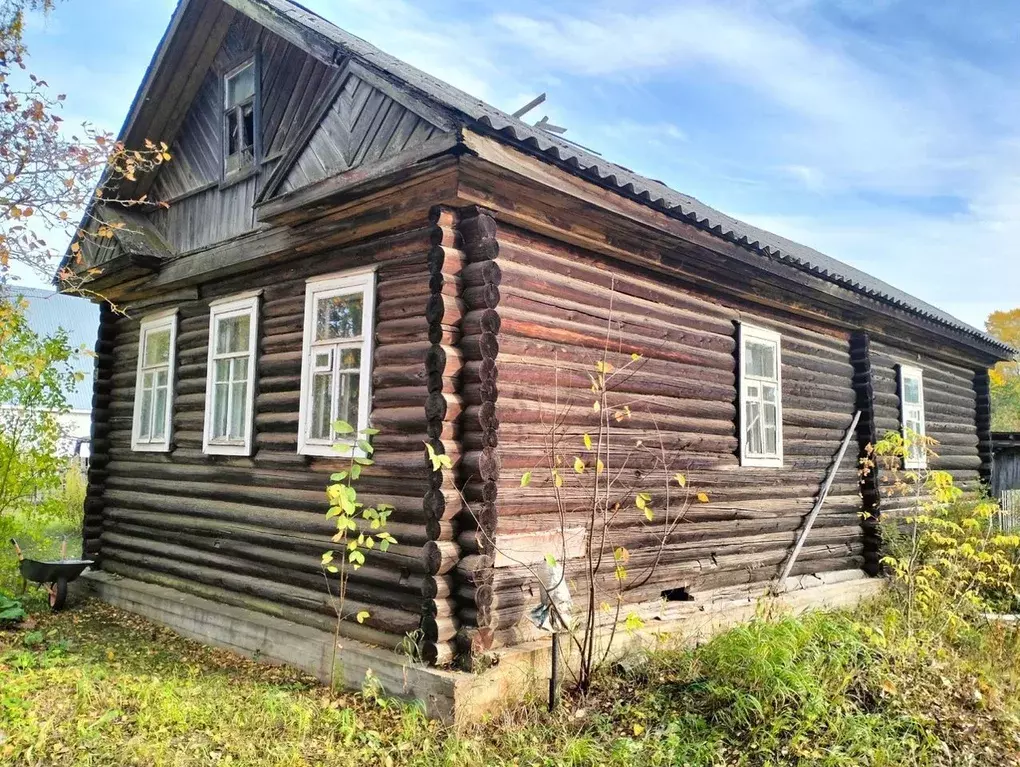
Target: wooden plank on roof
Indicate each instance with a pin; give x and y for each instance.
(173, 107)
(289, 29)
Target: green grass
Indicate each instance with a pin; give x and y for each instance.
(96, 686)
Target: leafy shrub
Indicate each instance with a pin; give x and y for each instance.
(943, 550)
(11, 610)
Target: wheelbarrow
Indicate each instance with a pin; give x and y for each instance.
(54, 576)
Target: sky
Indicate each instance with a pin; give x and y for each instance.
(885, 133)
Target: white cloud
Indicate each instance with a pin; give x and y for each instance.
(863, 115)
(452, 51)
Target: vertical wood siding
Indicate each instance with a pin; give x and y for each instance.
(291, 82)
(250, 531)
(362, 126)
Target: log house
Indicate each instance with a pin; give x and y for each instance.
(347, 235)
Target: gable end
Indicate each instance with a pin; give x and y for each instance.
(362, 120)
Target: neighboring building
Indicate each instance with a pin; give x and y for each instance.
(360, 239)
(48, 312)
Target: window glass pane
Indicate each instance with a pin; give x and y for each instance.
(771, 430)
(347, 402)
(338, 317)
(220, 397)
(752, 431)
(324, 360)
(241, 86)
(319, 425)
(350, 359)
(157, 347)
(233, 334)
(159, 413)
(760, 359)
(145, 416)
(911, 390)
(221, 371)
(237, 410)
(240, 369)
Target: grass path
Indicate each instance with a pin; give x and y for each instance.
(96, 686)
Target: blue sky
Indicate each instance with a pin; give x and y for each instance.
(885, 133)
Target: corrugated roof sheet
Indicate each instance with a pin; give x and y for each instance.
(49, 311)
(653, 193)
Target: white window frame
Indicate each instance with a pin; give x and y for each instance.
(221, 309)
(908, 372)
(153, 323)
(747, 333)
(361, 280)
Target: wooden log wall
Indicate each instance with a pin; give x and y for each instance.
(480, 471)
(443, 407)
(986, 448)
(951, 412)
(867, 437)
(250, 531)
(92, 523)
(554, 307)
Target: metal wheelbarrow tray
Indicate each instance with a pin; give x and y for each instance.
(53, 575)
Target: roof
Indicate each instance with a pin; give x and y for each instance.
(647, 191)
(47, 312)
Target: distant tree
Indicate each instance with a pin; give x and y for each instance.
(47, 172)
(36, 373)
(1005, 376)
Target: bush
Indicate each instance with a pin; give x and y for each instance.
(944, 550)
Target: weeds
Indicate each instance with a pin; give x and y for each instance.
(101, 687)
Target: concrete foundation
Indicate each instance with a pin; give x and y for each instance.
(453, 696)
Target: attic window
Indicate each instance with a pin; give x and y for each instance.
(239, 119)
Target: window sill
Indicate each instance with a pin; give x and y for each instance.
(225, 449)
(761, 463)
(327, 451)
(151, 447)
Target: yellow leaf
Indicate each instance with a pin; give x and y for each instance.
(526, 479)
(362, 616)
(638, 729)
(680, 479)
(703, 497)
(596, 406)
(635, 356)
(587, 442)
(599, 466)
(649, 514)
(557, 479)
(579, 466)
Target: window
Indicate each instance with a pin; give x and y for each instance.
(229, 389)
(912, 416)
(337, 358)
(154, 383)
(761, 393)
(239, 119)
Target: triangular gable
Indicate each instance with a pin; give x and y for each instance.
(363, 119)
